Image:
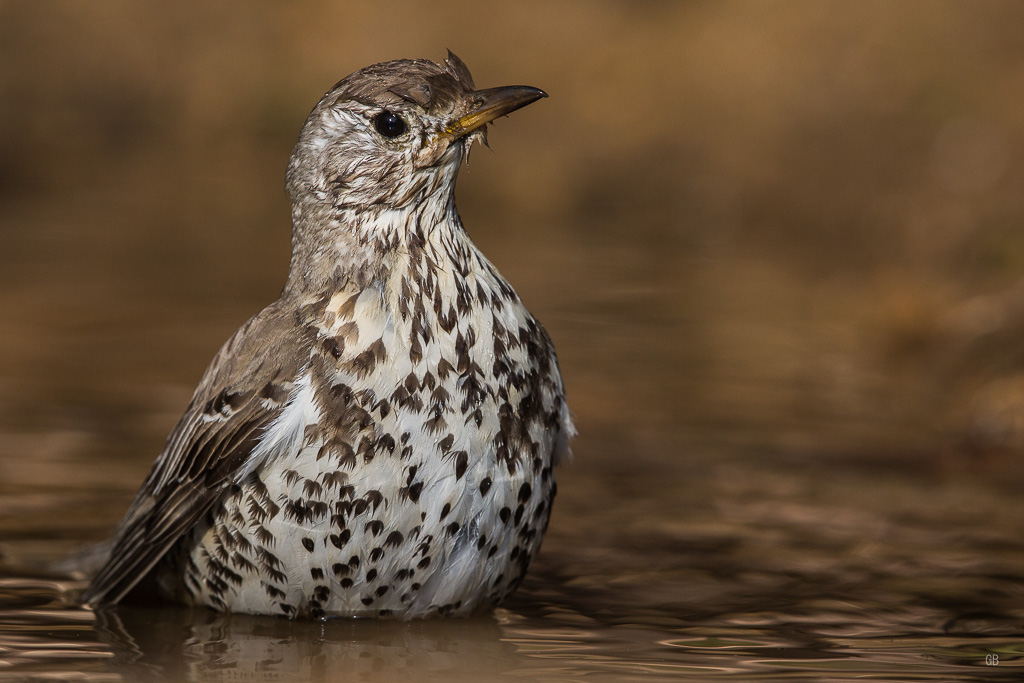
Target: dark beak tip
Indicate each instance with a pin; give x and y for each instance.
(537, 93)
(530, 95)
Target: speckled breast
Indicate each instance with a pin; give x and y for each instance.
(411, 471)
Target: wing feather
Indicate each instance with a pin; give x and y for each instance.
(207, 449)
(157, 519)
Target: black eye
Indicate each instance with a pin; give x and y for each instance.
(389, 124)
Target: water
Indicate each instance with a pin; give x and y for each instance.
(786, 294)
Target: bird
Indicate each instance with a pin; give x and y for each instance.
(381, 440)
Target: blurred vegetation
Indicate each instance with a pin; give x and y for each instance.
(790, 226)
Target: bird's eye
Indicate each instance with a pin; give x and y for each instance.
(389, 124)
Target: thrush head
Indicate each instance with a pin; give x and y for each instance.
(392, 134)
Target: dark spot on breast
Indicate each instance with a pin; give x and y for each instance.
(394, 539)
(436, 423)
(428, 382)
(500, 350)
(267, 558)
(339, 540)
(264, 536)
(308, 544)
(524, 493)
(504, 514)
(371, 575)
(412, 382)
(485, 486)
(439, 396)
(316, 573)
(400, 395)
(445, 510)
(297, 511)
(386, 442)
(331, 346)
(339, 450)
(240, 562)
(365, 362)
(374, 498)
(342, 509)
(340, 569)
(336, 479)
(317, 509)
(311, 489)
(348, 332)
(447, 320)
(424, 563)
(461, 463)
(376, 554)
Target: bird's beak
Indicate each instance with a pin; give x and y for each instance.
(490, 104)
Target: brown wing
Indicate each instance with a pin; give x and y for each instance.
(244, 389)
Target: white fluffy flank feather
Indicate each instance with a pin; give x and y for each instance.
(284, 435)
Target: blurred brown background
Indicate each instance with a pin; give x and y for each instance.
(791, 229)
